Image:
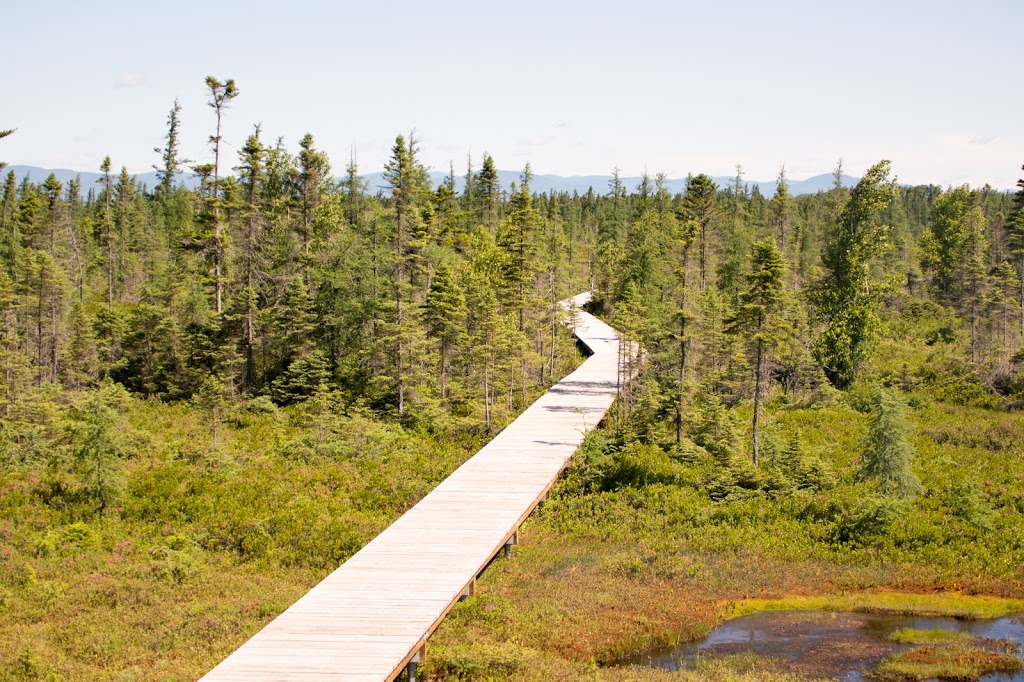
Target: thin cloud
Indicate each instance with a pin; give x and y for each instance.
(534, 142)
(982, 139)
(130, 79)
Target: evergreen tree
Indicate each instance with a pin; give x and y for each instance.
(221, 95)
(517, 239)
(107, 229)
(489, 187)
(445, 315)
(955, 237)
(756, 317)
(98, 436)
(783, 212)
(845, 299)
(699, 206)
(407, 179)
(171, 162)
(888, 450)
(1016, 241)
(353, 188)
(314, 176)
(252, 176)
(11, 242)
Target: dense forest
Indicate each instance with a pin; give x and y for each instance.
(211, 397)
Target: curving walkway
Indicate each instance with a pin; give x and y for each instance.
(370, 619)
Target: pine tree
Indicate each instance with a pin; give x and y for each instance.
(252, 176)
(611, 231)
(783, 214)
(171, 162)
(99, 436)
(353, 188)
(955, 236)
(221, 95)
(685, 234)
(756, 316)
(489, 187)
(125, 226)
(11, 242)
(407, 179)
(517, 239)
(1016, 241)
(888, 450)
(314, 175)
(445, 313)
(699, 206)
(108, 227)
(45, 288)
(212, 399)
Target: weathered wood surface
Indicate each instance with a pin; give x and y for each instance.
(370, 617)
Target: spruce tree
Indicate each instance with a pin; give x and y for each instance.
(221, 95)
(1016, 239)
(888, 450)
(407, 179)
(699, 206)
(314, 175)
(756, 315)
(489, 188)
(107, 181)
(445, 313)
(170, 160)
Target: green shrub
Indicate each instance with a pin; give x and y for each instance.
(870, 518)
(637, 465)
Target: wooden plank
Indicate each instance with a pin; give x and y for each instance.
(366, 620)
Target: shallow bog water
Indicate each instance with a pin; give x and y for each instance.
(826, 644)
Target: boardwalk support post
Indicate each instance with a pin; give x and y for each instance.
(469, 590)
(514, 540)
(418, 657)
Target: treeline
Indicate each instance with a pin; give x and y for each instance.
(740, 297)
(273, 278)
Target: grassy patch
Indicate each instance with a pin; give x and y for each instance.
(929, 637)
(512, 661)
(646, 544)
(956, 660)
(953, 605)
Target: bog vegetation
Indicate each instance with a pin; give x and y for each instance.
(212, 397)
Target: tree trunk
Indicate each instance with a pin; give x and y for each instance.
(702, 246)
(682, 378)
(757, 400)
(487, 395)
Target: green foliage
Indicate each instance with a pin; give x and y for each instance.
(871, 517)
(715, 428)
(100, 441)
(845, 298)
(302, 378)
(888, 451)
(637, 465)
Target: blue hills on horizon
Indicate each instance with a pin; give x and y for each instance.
(541, 183)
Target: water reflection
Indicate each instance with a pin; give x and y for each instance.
(825, 644)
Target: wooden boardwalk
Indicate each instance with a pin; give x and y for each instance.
(371, 618)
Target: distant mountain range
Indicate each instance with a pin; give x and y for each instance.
(541, 183)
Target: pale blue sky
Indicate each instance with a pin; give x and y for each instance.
(572, 87)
